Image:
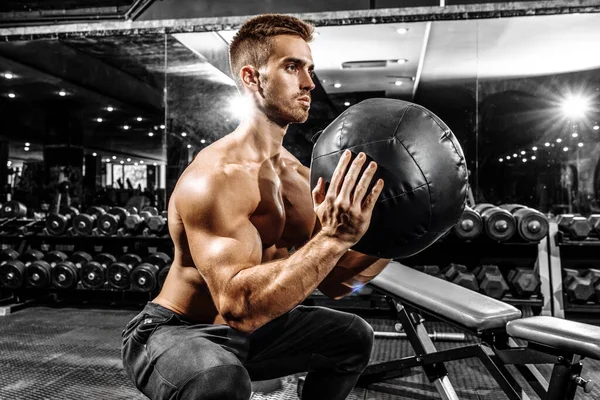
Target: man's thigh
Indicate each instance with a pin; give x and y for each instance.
(188, 361)
(305, 339)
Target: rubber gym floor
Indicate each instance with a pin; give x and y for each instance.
(74, 353)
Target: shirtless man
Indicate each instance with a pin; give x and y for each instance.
(229, 310)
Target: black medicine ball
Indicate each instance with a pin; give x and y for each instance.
(420, 161)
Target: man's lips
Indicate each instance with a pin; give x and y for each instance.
(305, 100)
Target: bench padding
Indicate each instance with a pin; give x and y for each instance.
(582, 339)
(465, 307)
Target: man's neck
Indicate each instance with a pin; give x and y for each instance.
(262, 135)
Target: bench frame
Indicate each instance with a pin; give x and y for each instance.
(496, 350)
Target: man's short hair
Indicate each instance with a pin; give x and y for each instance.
(252, 43)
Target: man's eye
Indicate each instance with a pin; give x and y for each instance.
(291, 67)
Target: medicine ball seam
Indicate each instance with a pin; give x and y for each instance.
(404, 193)
(350, 148)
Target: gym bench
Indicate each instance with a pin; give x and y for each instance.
(496, 324)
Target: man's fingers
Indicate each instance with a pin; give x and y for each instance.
(351, 177)
(371, 199)
(338, 174)
(318, 193)
(363, 184)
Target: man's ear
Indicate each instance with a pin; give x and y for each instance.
(249, 76)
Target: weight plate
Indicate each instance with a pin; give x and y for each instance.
(38, 274)
(159, 259)
(80, 258)
(151, 210)
(83, 224)
(105, 258)
(131, 259)
(55, 257)
(13, 209)
(119, 275)
(8, 254)
(57, 224)
(144, 277)
(156, 224)
(32, 255)
(96, 211)
(108, 224)
(93, 275)
(65, 275)
(12, 274)
(133, 223)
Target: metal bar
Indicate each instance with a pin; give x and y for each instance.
(421, 59)
(137, 8)
(435, 336)
(555, 271)
(562, 386)
(504, 378)
(334, 18)
(535, 379)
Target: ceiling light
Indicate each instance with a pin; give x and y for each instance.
(534, 148)
(12, 95)
(398, 83)
(141, 161)
(129, 160)
(565, 149)
(99, 119)
(580, 144)
(522, 152)
(574, 134)
(402, 61)
(114, 157)
(155, 127)
(150, 134)
(337, 85)
(62, 93)
(26, 148)
(524, 160)
(189, 146)
(27, 144)
(183, 134)
(94, 154)
(501, 160)
(108, 160)
(347, 103)
(162, 127)
(126, 127)
(8, 75)
(596, 127)
(575, 106)
(508, 157)
(135, 164)
(155, 164)
(202, 141)
(533, 157)
(558, 140)
(110, 109)
(547, 144)
(122, 162)
(515, 155)
(402, 31)
(139, 119)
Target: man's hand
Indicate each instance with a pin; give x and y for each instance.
(345, 210)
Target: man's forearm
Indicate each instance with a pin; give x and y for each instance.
(353, 271)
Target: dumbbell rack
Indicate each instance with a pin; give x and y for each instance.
(566, 253)
(507, 255)
(13, 300)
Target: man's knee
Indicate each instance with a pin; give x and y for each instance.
(230, 382)
(360, 336)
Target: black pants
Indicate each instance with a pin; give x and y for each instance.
(167, 357)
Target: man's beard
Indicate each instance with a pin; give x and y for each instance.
(281, 110)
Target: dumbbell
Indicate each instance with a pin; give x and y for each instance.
(119, 273)
(8, 254)
(109, 223)
(574, 226)
(532, 225)
(580, 287)
(498, 224)
(135, 223)
(157, 224)
(594, 222)
(491, 281)
(13, 209)
(94, 273)
(65, 275)
(38, 271)
(144, 278)
(460, 275)
(523, 281)
(469, 225)
(83, 224)
(432, 270)
(58, 223)
(12, 274)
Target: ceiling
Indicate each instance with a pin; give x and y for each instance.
(445, 62)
